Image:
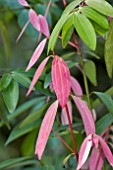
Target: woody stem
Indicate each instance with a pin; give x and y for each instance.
(72, 133)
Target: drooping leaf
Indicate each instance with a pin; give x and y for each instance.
(23, 3)
(107, 100)
(64, 117)
(67, 31)
(56, 31)
(86, 115)
(87, 34)
(5, 81)
(45, 129)
(71, 6)
(103, 123)
(11, 96)
(101, 6)
(109, 50)
(48, 80)
(61, 80)
(90, 71)
(95, 16)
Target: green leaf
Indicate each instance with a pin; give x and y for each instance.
(95, 16)
(90, 71)
(103, 123)
(26, 125)
(109, 50)
(11, 95)
(66, 159)
(85, 30)
(56, 31)
(92, 54)
(48, 80)
(107, 100)
(71, 64)
(71, 6)
(16, 162)
(100, 30)
(23, 79)
(5, 81)
(101, 6)
(68, 55)
(67, 31)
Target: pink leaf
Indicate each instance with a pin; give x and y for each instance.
(43, 26)
(37, 74)
(76, 87)
(47, 10)
(36, 54)
(23, 2)
(84, 151)
(21, 33)
(45, 129)
(64, 117)
(34, 19)
(61, 80)
(96, 159)
(86, 115)
(106, 150)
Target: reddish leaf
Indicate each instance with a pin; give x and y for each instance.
(84, 151)
(45, 129)
(23, 2)
(61, 80)
(36, 54)
(64, 117)
(47, 10)
(33, 17)
(76, 87)
(86, 115)
(37, 74)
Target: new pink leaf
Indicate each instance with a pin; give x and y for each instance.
(21, 33)
(84, 151)
(106, 150)
(86, 115)
(37, 74)
(33, 17)
(36, 54)
(76, 87)
(96, 159)
(64, 117)
(23, 3)
(45, 129)
(43, 26)
(61, 80)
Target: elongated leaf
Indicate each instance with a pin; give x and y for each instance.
(86, 115)
(71, 6)
(109, 50)
(5, 81)
(107, 100)
(23, 2)
(64, 117)
(67, 31)
(86, 33)
(101, 6)
(45, 129)
(95, 16)
(48, 80)
(61, 80)
(90, 71)
(66, 159)
(23, 79)
(56, 31)
(11, 96)
(103, 123)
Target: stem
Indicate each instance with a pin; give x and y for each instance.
(62, 140)
(64, 3)
(72, 134)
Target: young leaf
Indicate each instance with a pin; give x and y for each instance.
(64, 118)
(56, 31)
(61, 80)
(23, 3)
(5, 81)
(71, 6)
(90, 71)
(85, 30)
(101, 6)
(109, 50)
(11, 95)
(107, 100)
(95, 16)
(67, 31)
